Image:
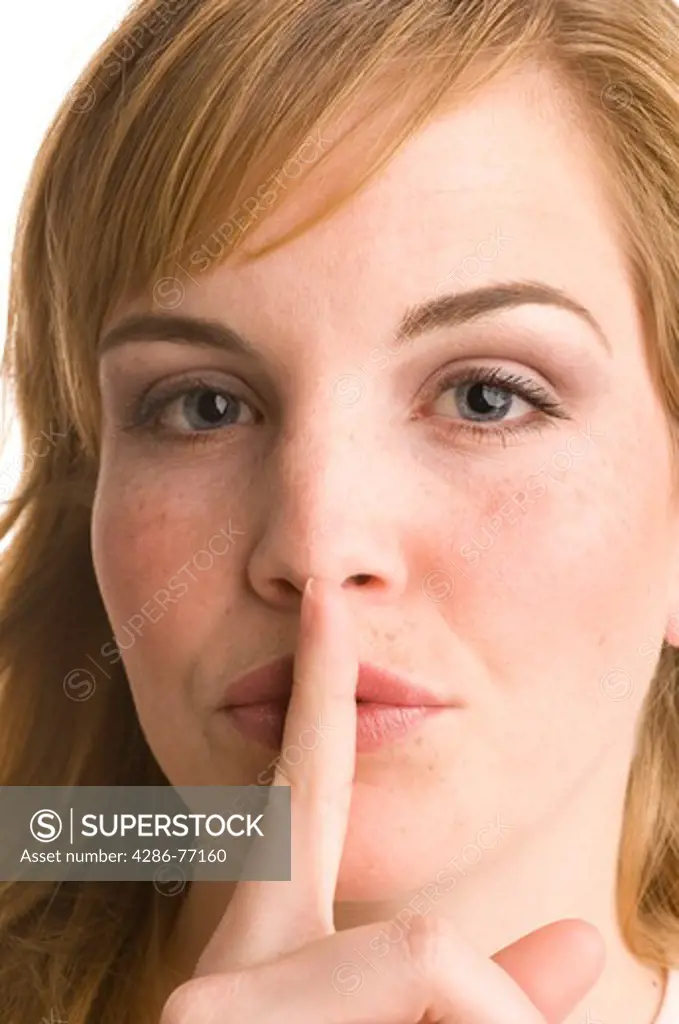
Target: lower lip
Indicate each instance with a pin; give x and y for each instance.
(377, 725)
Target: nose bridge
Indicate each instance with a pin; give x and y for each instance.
(318, 464)
(320, 514)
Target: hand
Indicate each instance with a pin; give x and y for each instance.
(274, 956)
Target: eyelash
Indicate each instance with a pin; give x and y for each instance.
(521, 387)
(146, 412)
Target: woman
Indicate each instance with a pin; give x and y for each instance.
(384, 293)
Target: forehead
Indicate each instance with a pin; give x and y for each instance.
(502, 184)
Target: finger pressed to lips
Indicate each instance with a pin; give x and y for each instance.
(268, 919)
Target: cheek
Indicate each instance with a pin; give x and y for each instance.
(556, 588)
(163, 565)
(560, 534)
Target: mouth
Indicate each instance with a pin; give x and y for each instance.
(389, 707)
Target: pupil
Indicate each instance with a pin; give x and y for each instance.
(483, 399)
(206, 403)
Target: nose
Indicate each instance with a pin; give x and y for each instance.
(328, 507)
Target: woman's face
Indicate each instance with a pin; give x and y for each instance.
(509, 545)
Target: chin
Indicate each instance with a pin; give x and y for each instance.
(386, 856)
(365, 879)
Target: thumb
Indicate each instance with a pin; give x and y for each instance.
(556, 965)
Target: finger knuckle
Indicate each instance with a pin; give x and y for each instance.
(428, 945)
(196, 1000)
(180, 1007)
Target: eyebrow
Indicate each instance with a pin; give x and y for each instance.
(451, 310)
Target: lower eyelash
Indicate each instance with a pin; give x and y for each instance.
(504, 434)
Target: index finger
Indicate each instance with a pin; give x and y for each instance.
(267, 919)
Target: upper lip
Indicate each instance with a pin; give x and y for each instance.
(272, 683)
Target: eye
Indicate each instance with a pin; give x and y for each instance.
(481, 402)
(190, 410)
(481, 398)
(203, 409)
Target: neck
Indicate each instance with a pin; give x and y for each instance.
(497, 902)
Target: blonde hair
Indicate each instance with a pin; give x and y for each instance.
(181, 128)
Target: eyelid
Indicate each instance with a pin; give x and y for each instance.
(155, 398)
(494, 375)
